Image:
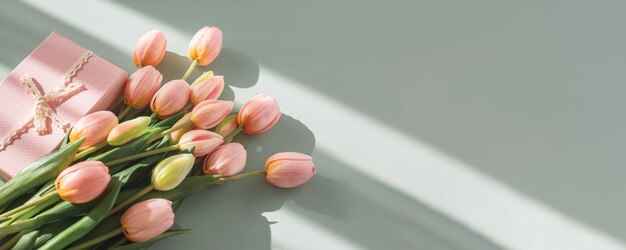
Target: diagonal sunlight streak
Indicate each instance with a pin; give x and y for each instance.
(486, 205)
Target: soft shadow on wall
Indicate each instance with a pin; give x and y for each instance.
(370, 215)
(238, 69)
(366, 213)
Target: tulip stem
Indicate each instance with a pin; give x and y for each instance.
(177, 127)
(123, 113)
(13, 218)
(153, 139)
(131, 199)
(141, 155)
(232, 135)
(243, 176)
(49, 187)
(98, 239)
(190, 69)
(153, 146)
(29, 204)
(90, 150)
(120, 242)
(187, 107)
(153, 116)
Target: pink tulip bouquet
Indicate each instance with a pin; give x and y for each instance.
(117, 180)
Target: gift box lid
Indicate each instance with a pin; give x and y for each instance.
(54, 60)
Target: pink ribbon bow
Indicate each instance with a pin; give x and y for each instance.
(43, 110)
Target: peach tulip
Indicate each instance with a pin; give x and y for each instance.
(207, 89)
(147, 219)
(171, 98)
(150, 49)
(82, 182)
(259, 114)
(95, 127)
(141, 86)
(209, 113)
(204, 142)
(128, 130)
(205, 45)
(227, 160)
(227, 126)
(289, 169)
(171, 171)
(175, 136)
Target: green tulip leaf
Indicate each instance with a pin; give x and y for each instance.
(38, 173)
(48, 231)
(27, 241)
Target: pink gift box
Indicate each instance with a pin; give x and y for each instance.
(49, 65)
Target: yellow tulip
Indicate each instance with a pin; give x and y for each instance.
(169, 173)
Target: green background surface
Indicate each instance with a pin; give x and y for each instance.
(527, 93)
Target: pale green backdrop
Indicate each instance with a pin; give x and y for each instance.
(526, 95)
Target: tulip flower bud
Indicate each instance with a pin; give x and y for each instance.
(289, 169)
(205, 45)
(141, 86)
(204, 76)
(147, 219)
(259, 114)
(209, 113)
(175, 136)
(171, 98)
(82, 182)
(172, 171)
(128, 130)
(204, 142)
(95, 127)
(150, 49)
(227, 126)
(227, 160)
(208, 89)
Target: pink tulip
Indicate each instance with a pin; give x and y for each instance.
(209, 113)
(141, 86)
(95, 127)
(227, 160)
(204, 141)
(205, 45)
(259, 114)
(175, 136)
(82, 182)
(171, 98)
(289, 169)
(227, 126)
(150, 49)
(207, 89)
(147, 219)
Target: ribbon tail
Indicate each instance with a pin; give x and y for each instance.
(40, 119)
(57, 120)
